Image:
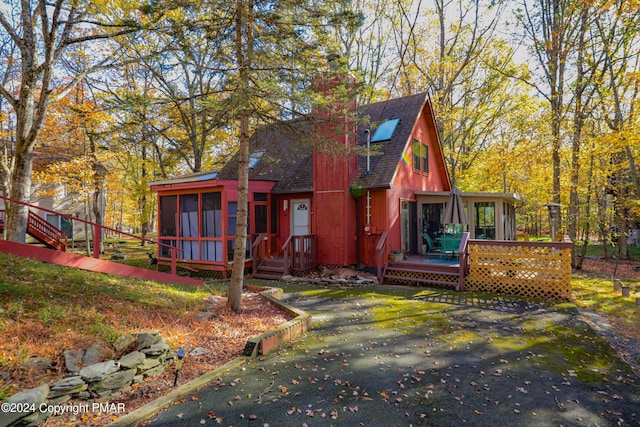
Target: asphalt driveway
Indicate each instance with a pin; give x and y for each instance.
(403, 356)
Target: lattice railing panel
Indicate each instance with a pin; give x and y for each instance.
(530, 269)
(413, 277)
(202, 271)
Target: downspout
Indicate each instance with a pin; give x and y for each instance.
(367, 132)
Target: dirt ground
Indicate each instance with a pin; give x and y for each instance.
(611, 268)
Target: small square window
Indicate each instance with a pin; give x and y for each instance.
(255, 157)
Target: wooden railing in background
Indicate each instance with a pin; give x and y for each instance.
(530, 269)
(259, 250)
(463, 259)
(97, 234)
(299, 253)
(45, 231)
(42, 230)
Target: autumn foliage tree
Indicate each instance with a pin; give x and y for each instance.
(37, 35)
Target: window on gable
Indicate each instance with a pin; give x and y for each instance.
(385, 130)
(255, 157)
(420, 156)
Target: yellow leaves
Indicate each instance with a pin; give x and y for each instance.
(77, 174)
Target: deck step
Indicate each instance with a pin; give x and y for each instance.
(270, 269)
(266, 276)
(422, 272)
(448, 272)
(421, 280)
(267, 269)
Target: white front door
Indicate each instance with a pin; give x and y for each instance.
(300, 217)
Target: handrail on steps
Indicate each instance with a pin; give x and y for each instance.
(299, 253)
(48, 230)
(288, 258)
(97, 235)
(381, 248)
(258, 251)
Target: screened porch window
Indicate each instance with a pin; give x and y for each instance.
(189, 226)
(211, 250)
(193, 224)
(485, 220)
(168, 223)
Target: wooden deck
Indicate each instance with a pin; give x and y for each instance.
(431, 269)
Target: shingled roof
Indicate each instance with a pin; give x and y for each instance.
(387, 154)
(286, 157)
(287, 154)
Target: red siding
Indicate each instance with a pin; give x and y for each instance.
(333, 173)
(436, 179)
(385, 204)
(368, 239)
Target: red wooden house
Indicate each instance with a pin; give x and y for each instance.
(311, 207)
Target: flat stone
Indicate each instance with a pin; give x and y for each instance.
(96, 372)
(154, 371)
(109, 395)
(148, 363)
(145, 340)
(59, 400)
(39, 364)
(97, 352)
(156, 350)
(199, 351)
(34, 419)
(114, 381)
(67, 386)
(34, 396)
(123, 342)
(73, 360)
(131, 360)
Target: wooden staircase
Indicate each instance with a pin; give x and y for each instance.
(269, 269)
(43, 231)
(418, 272)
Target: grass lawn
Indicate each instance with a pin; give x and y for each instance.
(45, 309)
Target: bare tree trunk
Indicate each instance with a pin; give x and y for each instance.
(244, 51)
(17, 214)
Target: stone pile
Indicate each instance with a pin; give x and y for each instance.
(90, 377)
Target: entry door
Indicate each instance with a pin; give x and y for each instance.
(300, 217)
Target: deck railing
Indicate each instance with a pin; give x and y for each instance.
(299, 253)
(97, 231)
(463, 259)
(42, 230)
(530, 269)
(259, 250)
(57, 237)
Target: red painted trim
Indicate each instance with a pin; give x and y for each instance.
(92, 264)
